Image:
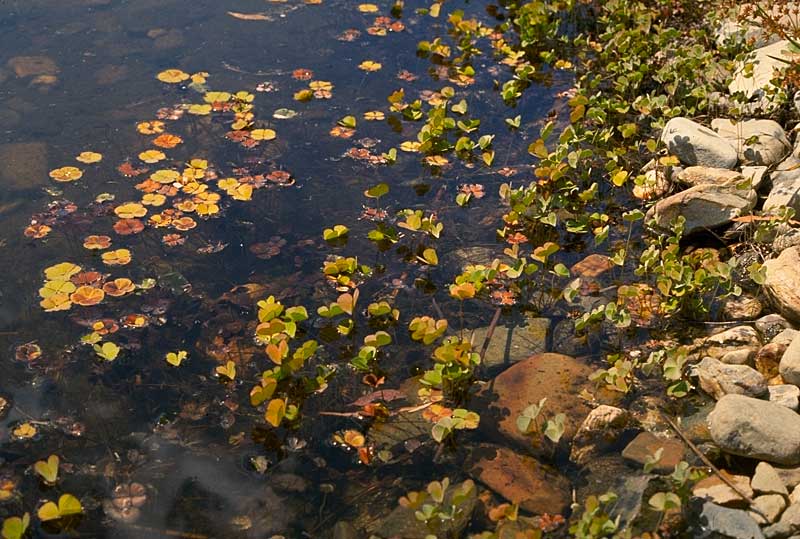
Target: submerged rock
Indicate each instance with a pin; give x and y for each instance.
(769, 143)
(744, 307)
(556, 377)
(28, 66)
(782, 282)
(756, 428)
(716, 490)
(704, 207)
(511, 344)
(23, 165)
(719, 379)
(646, 445)
(522, 480)
(601, 428)
(695, 144)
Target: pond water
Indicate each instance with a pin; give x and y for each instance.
(80, 76)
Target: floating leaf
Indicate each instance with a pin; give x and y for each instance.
(152, 156)
(369, 66)
(374, 115)
(429, 256)
(130, 210)
(24, 431)
(261, 393)
(150, 128)
(66, 174)
(107, 350)
(89, 157)
(377, 191)
(87, 296)
(56, 302)
(338, 231)
(462, 291)
(15, 527)
(262, 134)
(172, 76)
(62, 271)
(176, 358)
(217, 97)
(119, 287)
(276, 411)
(48, 469)
(125, 227)
(96, 242)
(167, 141)
(284, 114)
(368, 8)
(199, 110)
(228, 370)
(249, 16)
(68, 505)
(52, 288)
(120, 257)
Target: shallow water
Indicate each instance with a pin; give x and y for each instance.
(188, 438)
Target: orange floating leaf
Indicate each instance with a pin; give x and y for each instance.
(184, 223)
(89, 157)
(302, 74)
(87, 296)
(97, 242)
(167, 141)
(119, 287)
(150, 128)
(37, 231)
(126, 227)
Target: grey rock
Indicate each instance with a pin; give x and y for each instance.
(742, 356)
(786, 395)
(755, 174)
(719, 379)
(790, 478)
(735, 338)
(767, 508)
(771, 325)
(789, 367)
(785, 337)
(767, 481)
(788, 524)
(733, 523)
(703, 207)
(769, 145)
(756, 428)
(510, 344)
(785, 191)
(695, 144)
(782, 282)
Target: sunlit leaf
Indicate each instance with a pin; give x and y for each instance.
(15, 527)
(68, 505)
(47, 469)
(66, 174)
(228, 370)
(96, 242)
(107, 350)
(374, 115)
(24, 431)
(167, 141)
(130, 210)
(56, 302)
(262, 134)
(216, 97)
(369, 65)
(276, 411)
(199, 110)
(119, 287)
(62, 271)
(176, 358)
(119, 257)
(368, 8)
(172, 76)
(87, 296)
(89, 157)
(51, 288)
(152, 156)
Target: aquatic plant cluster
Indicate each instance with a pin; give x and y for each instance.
(588, 207)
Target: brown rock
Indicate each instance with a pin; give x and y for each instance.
(699, 175)
(716, 490)
(26, 66)
(522, 480)
(23, 165)
(645, 446)
(782, 282)
(557, 377)
(592, 266)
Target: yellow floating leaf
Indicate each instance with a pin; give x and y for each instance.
(166, 176)
(176, 358)
(130, 210)
(373, 115)
(199, 110)
(52, 288)
(56, 302)
(172, 76)
(228, 183)
(436, 160)
(89, 157)
(241, 192)
(154, 199)
(217, 97)
(320, 85)
(353, 438)
(228, 370)
(199, 164)
(207, 208)
(152, 156)
(24, 431)
(199, 77)
(410, 146)
(67, 505)
(108, 351)
(276, 410)
(369, 65)
(47, 469)
(120, 257)
(150, 128)
(62, 271)
(262, 134)
(368, 8)
(66, 174)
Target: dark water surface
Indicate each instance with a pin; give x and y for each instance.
(190, 439)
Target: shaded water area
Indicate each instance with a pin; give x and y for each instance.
(209, 463)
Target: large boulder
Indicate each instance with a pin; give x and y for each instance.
(756, 428)
(695, 144)
(703, 206)
(521, 479)
(757, 142)
(782, 282)
(764, 61)
(556, 377)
